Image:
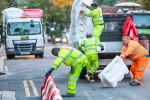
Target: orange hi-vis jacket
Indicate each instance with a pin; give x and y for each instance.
(134, 50)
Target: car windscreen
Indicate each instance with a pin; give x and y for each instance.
(141, 20)
(23, 28)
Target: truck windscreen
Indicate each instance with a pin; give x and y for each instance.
(23, 28)
(140, 20)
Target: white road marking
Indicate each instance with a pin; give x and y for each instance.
(89, 97)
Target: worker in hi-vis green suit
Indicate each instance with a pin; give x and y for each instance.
(90, 50)
(71, 57)
(97, 19)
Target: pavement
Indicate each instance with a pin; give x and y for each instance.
(6, 95)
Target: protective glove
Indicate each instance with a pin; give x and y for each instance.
(123, 56)
(102, 49)
(49, 72)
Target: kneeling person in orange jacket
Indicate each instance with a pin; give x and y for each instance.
(140, 57)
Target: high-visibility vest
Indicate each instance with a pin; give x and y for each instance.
(96, 14)
(134, 50)
(70, 56)
(90, 46)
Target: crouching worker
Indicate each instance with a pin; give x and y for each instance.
(140, 57)
(90, 50)
(71, 57)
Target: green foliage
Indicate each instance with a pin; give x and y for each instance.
(53, 11)
(11, 3)
(145, 4)
(57, 33)
(106, 2)
(2, 7)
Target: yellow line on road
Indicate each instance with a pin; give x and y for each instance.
(6, 68)
(26, 89)
(34, 88)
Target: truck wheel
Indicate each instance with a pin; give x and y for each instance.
(8, 57)
(83, 73)
(41, 56)
(36, 56)
(13, 56)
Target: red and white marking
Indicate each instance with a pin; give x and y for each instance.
(50, 91)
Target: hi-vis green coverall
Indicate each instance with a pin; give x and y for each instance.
(90, 50)
(74, 58)
(97, 19)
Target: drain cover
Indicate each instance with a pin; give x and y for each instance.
(1, 73)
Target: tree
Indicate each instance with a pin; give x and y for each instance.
(106, 2)
(2, 7)
(53, 10)
(100, 2)
(11, 3)
(145, 4)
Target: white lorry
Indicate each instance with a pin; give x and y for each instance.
(111, 36)
(23, 32)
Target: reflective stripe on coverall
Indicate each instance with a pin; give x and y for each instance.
(97, 18)
(90, 50)
(74, 58)
(137, 54)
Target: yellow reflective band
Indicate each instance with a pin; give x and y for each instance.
(91, 49)
(132, 47)
(138, 54)
(68, 55)
(73, 78)
(124, 47)
(76, 59)
(71, 82)
(61, 57)
(55, 65)
(92, 14)
(136, 49)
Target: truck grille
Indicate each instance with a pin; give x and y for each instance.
(25, 47)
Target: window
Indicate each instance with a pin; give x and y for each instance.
(140, 20)
(23, 28)
(111, 25)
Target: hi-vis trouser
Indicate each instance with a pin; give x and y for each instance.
(92, 65)
(138, 68)
(97, 32)
(74, 75)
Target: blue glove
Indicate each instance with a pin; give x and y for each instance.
(49, 72)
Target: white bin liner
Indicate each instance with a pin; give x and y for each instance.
(113, 72)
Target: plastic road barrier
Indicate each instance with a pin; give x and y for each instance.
(113, 72)
(50, 91)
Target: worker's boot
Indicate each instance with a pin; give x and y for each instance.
(68, 95)
(92, 80)
(133, 83)
(87, 76)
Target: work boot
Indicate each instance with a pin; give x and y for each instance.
(133, 83)
(87, 76)
(92, 80)
(68, 95)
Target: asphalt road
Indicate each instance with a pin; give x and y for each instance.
(25, 76)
